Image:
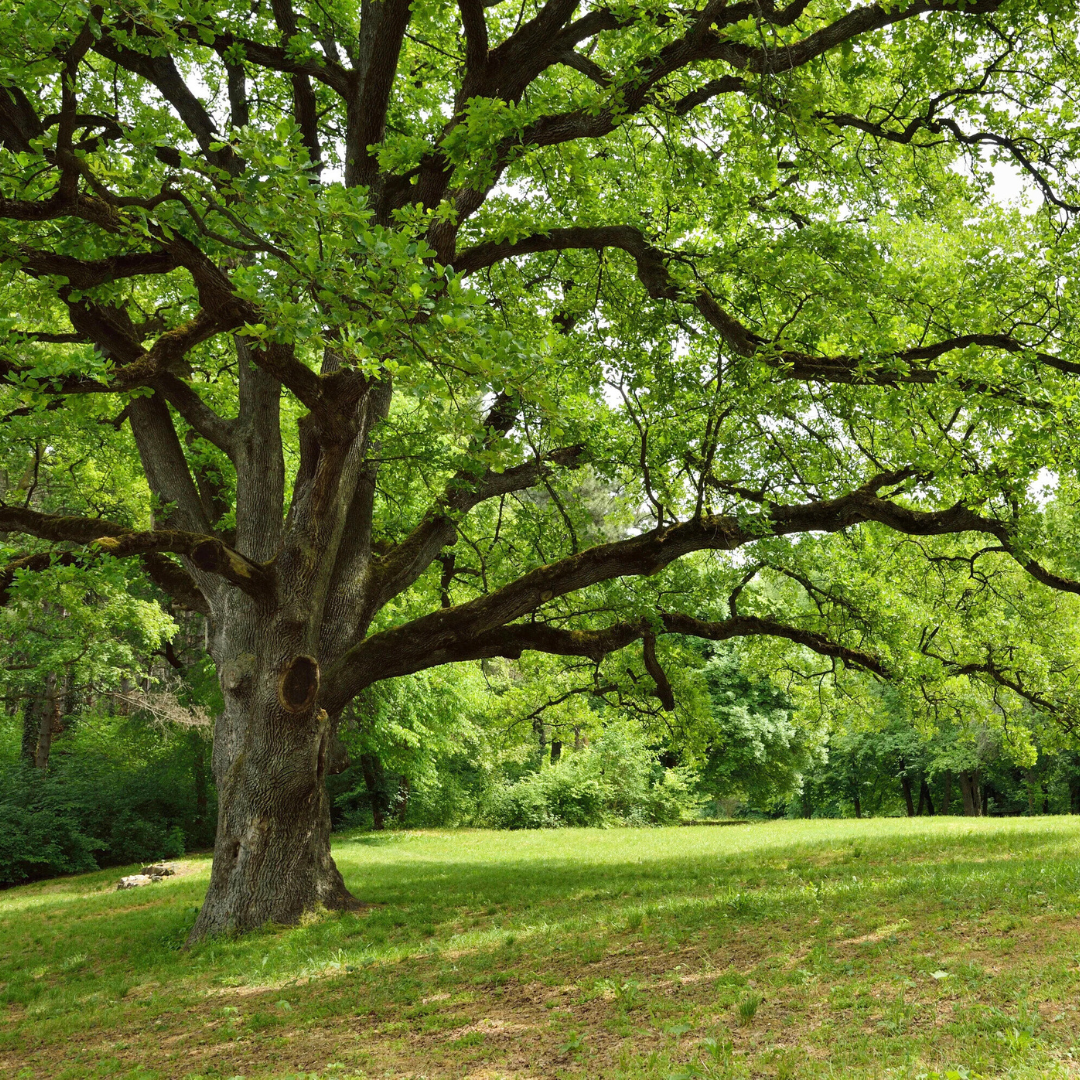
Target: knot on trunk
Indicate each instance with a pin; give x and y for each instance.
(299, 684)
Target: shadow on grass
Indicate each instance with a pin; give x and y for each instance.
(466, 892)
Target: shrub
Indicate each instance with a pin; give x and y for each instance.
(616, 780)
(114, 793)
(571, 792)
(35, 840)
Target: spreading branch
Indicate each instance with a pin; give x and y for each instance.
(903, 366)
(207, 553)
(425, 639)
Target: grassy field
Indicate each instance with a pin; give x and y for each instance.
(889, 948)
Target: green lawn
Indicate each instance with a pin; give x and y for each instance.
(899, 948)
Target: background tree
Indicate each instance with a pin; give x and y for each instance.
(352, 280)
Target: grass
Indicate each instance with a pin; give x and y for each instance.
(928, 948)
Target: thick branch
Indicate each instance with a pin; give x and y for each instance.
(476, 35)
(173, 580)
(382, 30)
(207, 553)
(511, 641)
(891, 369)
(196, 412)
(648, 554)
(87, 273)
(161, 71)
(659, 676)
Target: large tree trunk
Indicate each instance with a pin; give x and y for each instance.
(272, 857)
(926, 802)
(272, 860)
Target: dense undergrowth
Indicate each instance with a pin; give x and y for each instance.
(115, 792)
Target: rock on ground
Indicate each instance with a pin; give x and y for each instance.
(146, 876)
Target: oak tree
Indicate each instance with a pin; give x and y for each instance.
(383, 294)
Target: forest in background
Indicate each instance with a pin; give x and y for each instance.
(106, 739)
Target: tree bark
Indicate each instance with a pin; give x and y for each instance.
(925, 801)
(199, 778)
(540, 730)
(556, 750)
(905, 784)
(272, 860)
(969, 787)
(49, 724)
(32, 711)
(946, 799)
(372, 769)
(858, 807)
